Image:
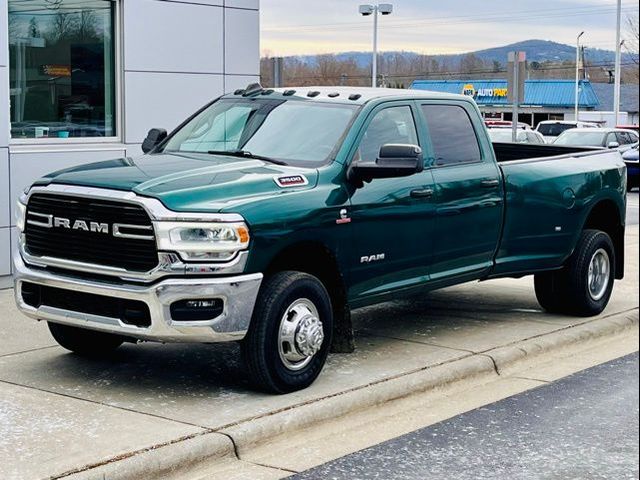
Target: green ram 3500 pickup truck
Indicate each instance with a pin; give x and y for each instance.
(269, 214)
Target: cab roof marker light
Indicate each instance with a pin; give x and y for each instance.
(288, 93)
(313, 93)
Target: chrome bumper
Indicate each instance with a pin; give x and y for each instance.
(239, 294)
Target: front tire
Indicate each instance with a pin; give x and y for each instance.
(290, 333)
(88, 343)
(583, 287)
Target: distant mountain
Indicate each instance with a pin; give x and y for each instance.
(537, 51)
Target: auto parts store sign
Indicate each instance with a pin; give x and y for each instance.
(470, 91)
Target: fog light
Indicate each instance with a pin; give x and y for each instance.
(196, 309)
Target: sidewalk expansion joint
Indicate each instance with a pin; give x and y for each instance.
(560, 329)
(417, 342)
(233, 443)
(493, 361)
(530, 378)
(27, 351)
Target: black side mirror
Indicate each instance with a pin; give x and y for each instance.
(394, 160)
(154, 137)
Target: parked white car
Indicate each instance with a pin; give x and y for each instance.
(551, 129)
(616, 138)
(505, 135)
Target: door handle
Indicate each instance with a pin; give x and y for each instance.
(422, 193)
(490, 183)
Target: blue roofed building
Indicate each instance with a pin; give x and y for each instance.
(543, 99)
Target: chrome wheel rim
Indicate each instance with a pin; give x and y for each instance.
(599, 274)
(300, 335)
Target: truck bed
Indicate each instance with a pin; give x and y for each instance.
(548, 191)
(507, 152)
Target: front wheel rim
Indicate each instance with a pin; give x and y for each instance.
(300, 334)
(599, 274)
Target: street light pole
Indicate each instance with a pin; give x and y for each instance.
(577, 92)
(616, 87)
(374, 59)
(366, 10)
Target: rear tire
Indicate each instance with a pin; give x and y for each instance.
(290, 333)
(583, 287)
(548, 286)
(88, 343)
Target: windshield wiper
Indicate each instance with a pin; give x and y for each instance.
(245, 154)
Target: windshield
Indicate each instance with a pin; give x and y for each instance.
(296, 132)
(505, 135)
(581, 139)
(553, 129)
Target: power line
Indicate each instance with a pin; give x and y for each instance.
(459, 73)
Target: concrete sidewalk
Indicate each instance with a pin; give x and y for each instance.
(60, 414)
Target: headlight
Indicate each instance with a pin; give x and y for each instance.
(202, 240)
(21, 213)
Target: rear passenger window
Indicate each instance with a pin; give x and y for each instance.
(452, 135)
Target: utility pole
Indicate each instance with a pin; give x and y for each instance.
(616, 87)
(516, 74)
(577, 86)
(277, 71)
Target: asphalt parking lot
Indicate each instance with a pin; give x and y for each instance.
(60, 413)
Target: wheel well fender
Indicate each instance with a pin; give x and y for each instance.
(317, 259)
(606, 216)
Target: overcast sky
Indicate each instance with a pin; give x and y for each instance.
(292, 27)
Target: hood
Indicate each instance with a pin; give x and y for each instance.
(193, 182)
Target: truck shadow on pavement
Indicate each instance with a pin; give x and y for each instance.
(184, 370)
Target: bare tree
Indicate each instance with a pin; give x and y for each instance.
(63, 26)
(631, 37)
(87, 25)
(15, 29)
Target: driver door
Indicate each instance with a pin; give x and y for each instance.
(392, 218)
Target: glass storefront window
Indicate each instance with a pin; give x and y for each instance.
(62, 68)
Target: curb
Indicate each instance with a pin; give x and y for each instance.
(161, 461)
(513, 356)
(252, 432)
(236, 440)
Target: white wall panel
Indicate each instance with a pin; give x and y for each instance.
(242, 41)
(253, 4)
(164, 100)
(233, 82)
(25, 167)
(4, 106)
(5, 251)
(4, 35)
(4, 188)
(172, 37)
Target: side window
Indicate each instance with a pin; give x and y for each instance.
(624, 138)
(611, 138)
(391, 125)
(452, 134)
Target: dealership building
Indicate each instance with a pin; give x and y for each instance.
(84, 80)
(543, 99)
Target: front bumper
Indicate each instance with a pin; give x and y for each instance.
(238, 293)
